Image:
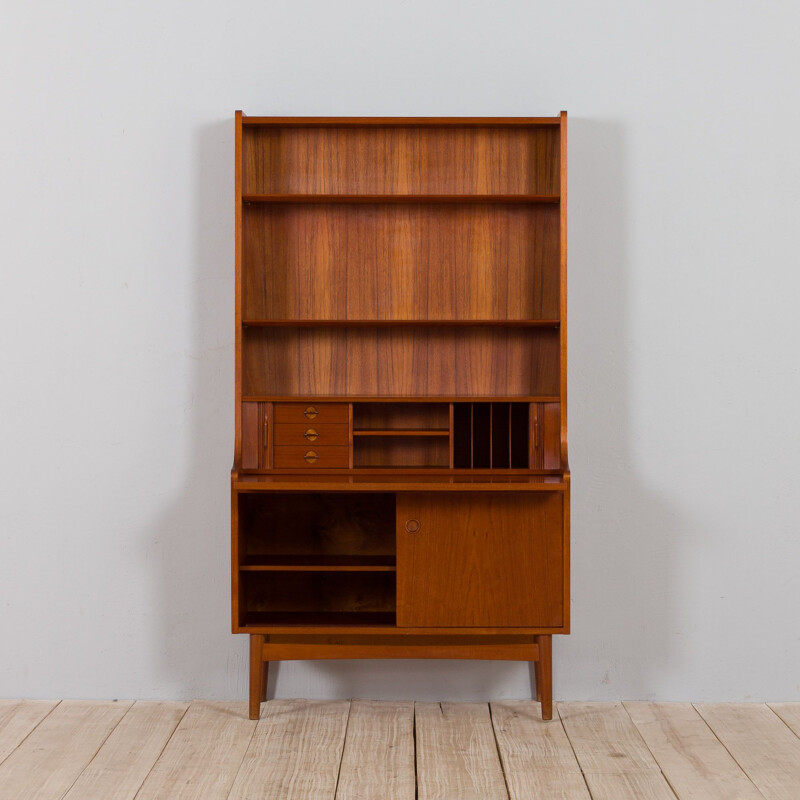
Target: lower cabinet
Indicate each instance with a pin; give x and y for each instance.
(401, 574)
(480, 560)
(417, 559)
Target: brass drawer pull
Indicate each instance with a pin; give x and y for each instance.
(311, 434)
(310, 412)
(311, 457)
(412, 525)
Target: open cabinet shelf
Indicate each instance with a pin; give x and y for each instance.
(399, 323)
(400, 198)
(319, 563)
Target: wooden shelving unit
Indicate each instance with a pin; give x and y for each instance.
(400, 388)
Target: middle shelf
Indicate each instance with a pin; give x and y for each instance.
(402, 432)
(417, 198)
(318, 562)
(400, 323)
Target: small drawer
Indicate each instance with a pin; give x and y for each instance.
(317, 413)
(309, 433)
(310, 456)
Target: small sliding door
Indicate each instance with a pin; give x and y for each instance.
(483, 559)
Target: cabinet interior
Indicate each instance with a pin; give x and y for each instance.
(316, 557)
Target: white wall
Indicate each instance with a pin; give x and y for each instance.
(116, 240)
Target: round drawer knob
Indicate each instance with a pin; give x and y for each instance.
(311, 457)
(412, 525)
(311, 434)
(311, 412)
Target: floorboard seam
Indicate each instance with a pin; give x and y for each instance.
(572, 747)
(100, 747)
(652, 754)
(414, 734)
(244, 753)
(161, 752)
(791, 729)
(344, 744)
(19, 743)
(727, 750)
(499, 754)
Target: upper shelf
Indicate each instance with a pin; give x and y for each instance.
(401, 198)
(399, 323)
(401, 122)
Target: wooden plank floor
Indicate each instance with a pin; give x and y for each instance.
(374, 750)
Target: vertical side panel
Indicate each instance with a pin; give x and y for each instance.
(563, 293)
(267, 428)
(251, 435)
(551, 435)
(535, 434)
(236, 589)
(238, 291)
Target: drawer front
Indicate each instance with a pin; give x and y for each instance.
(315, 413)
(308, 433)
(311, 457)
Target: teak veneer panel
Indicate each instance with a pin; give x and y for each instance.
(486, 560)
(401, 160)
(399, 361)
(387, 262)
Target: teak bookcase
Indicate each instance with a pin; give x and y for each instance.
(400, 486)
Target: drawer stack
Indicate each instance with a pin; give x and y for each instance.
(311, 436)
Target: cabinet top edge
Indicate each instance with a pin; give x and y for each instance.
(411, 122)
(410, 483)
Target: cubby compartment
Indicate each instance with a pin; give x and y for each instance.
(491, 435)
(408, 451)
(388, 261)
(416, 362)
(429, 418)
(322, 558)
(386, 159)
(308, 598)
(276, 527)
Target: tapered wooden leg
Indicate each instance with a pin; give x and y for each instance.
(537, 679)
(544, 675)
(264, 677)
(257, 682)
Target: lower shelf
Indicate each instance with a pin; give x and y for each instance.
(319, 563)
(314, 618)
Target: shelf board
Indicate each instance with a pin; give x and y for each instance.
(402, 198)
(401, 122)
(400, 323)
(306, 618)
(402, 432)
(395, 482)
(319, 563)
(386, 398)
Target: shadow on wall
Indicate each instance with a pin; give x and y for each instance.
(199, 656)
(623, 536)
